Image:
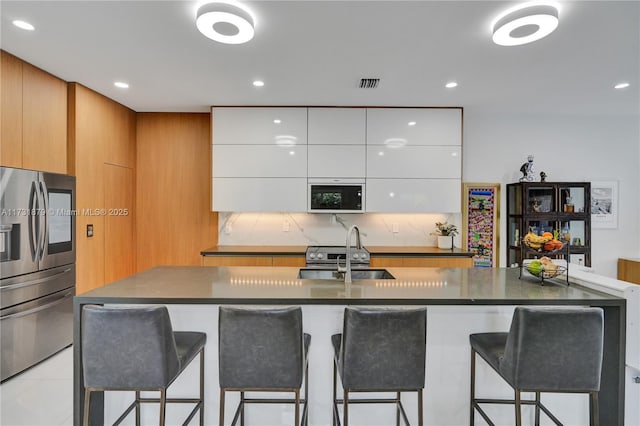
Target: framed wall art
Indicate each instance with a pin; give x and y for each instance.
(481, 222)
(604, 204)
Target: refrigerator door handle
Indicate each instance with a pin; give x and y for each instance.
(58, 300)
(34, 236)
(44, 223)
(31, 282)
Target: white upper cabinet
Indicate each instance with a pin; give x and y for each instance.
(337, 126)
(259, 161)
(259, 126)
(413, 195)
(414, 126)
(419, 162)
(337, 138)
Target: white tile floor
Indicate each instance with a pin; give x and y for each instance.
(40, 396)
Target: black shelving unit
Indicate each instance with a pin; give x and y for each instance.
(541, 207)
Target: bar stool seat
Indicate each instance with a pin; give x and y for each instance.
(136, 349)
(380, 350)
(556, 349)
(263, 350)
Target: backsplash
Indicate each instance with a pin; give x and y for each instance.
(330, 229)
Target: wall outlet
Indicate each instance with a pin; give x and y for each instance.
(227, 229)
(395, 227)
(89, 230)
(285, 226)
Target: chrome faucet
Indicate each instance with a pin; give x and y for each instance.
(347, 268)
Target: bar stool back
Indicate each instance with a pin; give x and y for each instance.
(136, 349)
(556, 349)
(380, 350)
(263, 350)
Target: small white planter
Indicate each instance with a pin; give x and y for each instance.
(445, 242)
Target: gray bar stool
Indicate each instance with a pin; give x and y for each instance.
(546, 350)
(263, 350)
(380, 350)
(136, 349)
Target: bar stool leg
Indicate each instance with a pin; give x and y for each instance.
(397, 408)
(87, 400)
(537, 409)
(163, 405)
(420, 409)
(335, 397)
(297, 409)
(221, 421)
(137, 408)
(595, 412)
(346, 408)
(518, 408)
(472, 410)
(241, 408)
(202, 387)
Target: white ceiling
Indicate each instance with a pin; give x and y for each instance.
(315, 52)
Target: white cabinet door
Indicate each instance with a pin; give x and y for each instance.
(413, 195)
(259, 161)
(336, 161)
(414, 162)
(259, 194)
(259, 126)
(337, 126)
(414, 126)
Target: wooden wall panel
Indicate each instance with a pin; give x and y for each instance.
(11, 110)
(629, 270)
(95, 126)
(89, 172)
(173, 189)
(118, 149)
(44, 121)
(119, 252)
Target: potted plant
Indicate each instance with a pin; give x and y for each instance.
(445, 232)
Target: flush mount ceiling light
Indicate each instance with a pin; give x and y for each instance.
(227, 22)
(525, 23)
(621, 86)
(121, 84)
(451, 85)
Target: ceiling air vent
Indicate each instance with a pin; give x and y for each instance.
(369, 83)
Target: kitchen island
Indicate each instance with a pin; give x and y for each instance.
(459, 301)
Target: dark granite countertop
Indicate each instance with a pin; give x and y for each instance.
(382, 251)
(279, 285)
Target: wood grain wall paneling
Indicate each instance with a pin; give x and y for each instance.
(97, 124)
(629, 270)
(11, 110)
(173, 189)
(89, 171)
(237, 261)
(44, 121)
(119, 250)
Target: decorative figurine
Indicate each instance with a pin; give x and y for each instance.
(543, 177)
(527, 170)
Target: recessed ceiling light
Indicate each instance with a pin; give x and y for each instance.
(525, 23)
(621, 86)
(121, 84)
(228, 22)
(451, 85)
(277, 121)
(23, 25)
(258, 83)
(411, 123)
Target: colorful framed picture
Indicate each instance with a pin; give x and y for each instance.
(481, 222)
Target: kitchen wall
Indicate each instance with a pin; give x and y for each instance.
(329, 229)
(567, 148)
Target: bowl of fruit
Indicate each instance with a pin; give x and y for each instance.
(545, 268)
(546, 242)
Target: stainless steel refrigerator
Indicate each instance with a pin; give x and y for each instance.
(37, 266)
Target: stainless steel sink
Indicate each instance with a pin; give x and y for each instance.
(333, 274)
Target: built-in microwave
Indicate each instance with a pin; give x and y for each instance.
(336, 196)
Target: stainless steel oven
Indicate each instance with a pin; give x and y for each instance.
(37, 266)
(336, 196)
